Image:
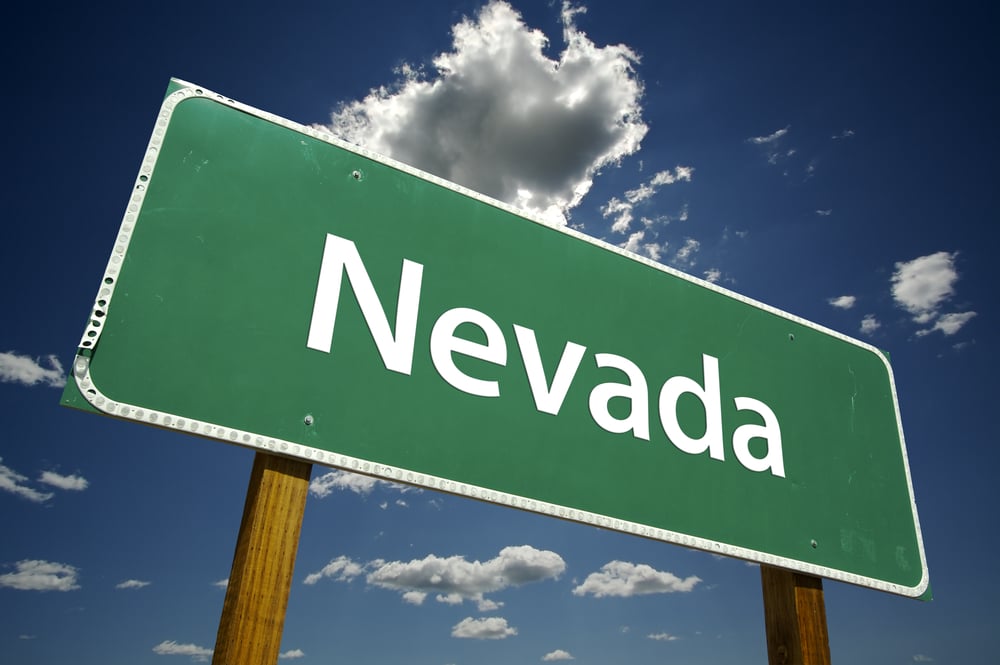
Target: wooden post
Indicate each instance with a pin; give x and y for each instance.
(794, 618)
(253, 614)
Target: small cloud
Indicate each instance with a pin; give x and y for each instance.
(490, 628)
(843, 302)
(27, 637)
(172, 648)
(69, 483)
(487, 605)
(325, 485)
(769, 138)
(291, 654)
(558, 654)
(662, 637)
(846, 134)
(222, 584)
(132, 584)
(921, 658)
(949, 324)
(825, 212)
(15, 483)
(869, 325)
(16, 368)
(38, 575)
(624, 579)
(685, 255)
(922, 285)
(341, 569)
(713, 275)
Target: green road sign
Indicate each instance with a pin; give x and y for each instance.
(276, 288)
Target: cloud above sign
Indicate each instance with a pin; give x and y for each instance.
(500, 117)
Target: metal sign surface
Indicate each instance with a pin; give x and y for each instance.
(274, 287)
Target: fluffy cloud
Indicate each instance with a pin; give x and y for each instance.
(923, 285)
(869, 325)
(13, 482)
(490, 628)
(843, 302)
(37, 575)
(620, 578)
(70, 483)
(452, 580)
(500, 117)
(291, 654)
(558, 654)
(15, 368)
(171, 648)
(132, 584)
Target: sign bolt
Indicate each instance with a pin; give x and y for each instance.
(308, 420)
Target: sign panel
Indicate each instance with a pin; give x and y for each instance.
(274, 287)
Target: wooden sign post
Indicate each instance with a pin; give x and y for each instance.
(253, 614)
(794, 618)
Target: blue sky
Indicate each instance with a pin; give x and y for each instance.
(835, 161)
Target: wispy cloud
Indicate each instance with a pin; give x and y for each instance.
(490, 628)
(622, 211)
(624, 579)
(15, 483)
(325, 485)
(132, 584)
(17, 368)
(769, 138)
(499, 116)
(39, 575)
(72, 483)
(662, 637)
(172, 648)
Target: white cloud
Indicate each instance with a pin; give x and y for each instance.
(869, 324)
(921, 658)
(846, 134)
(826, 212)
(922, 285)
(13, 482)
(713, 275)
(324, 485)
(15, 368)
(662, 637)
(71, 483)
(949, 324)
(558, 654)
(455, 577)
(502, 118)
(490, 628)
(37, 575)
(487, 605)
(685, 255)
(843, 302)
(222, 584)
(132, 584)
(620, 578)
(341, 569)
(291, 654)
(769, 138)
(622, 211)
(172, 648)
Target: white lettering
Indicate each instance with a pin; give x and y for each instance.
(548, 399)
(769, 431)
(444, 343)
(711, 400)
(341, 255)
(635, 391)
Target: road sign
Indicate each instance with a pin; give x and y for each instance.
(274, 287)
